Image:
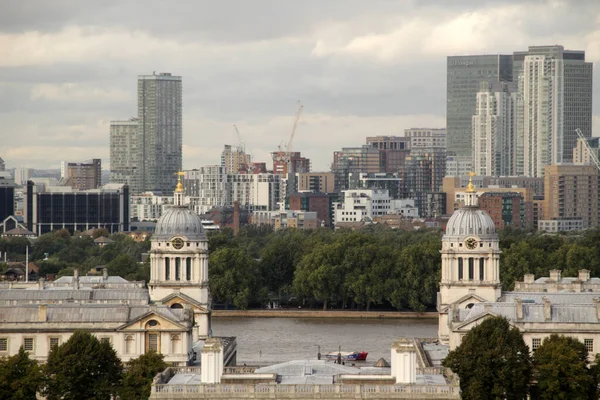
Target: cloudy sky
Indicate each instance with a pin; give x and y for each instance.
(68, 67)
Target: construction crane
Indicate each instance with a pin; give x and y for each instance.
(290, 144)
(242, 148)
(591, 151)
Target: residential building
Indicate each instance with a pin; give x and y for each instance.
(321, 203)
(507, 209)
(363, 204)
(581, 152)
(295, 219)
(148, 206)
(22, 175)
(392, 182)
(463, 77)
(124, 152)
(84, 175)
(560, 225)
(207, 187)
(433, 204)
(316, 182)
(571, 191)
(422, 173)
(255, 191)
(159, 132)
(354, 159)
(555, 87)
(428, 139)
(494, 129)
(282, 161)
(393, 150)
(52, 208)
(234, 159)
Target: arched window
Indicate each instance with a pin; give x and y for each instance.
(175, 344)
(460, 269)
(481, 269)
(167, 268)
(188, 269)
(129, 344)
(176, 305)
(178, 268)
(152, 336)
(471, 268)
(469, 306)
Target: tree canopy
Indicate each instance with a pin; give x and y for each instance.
(137, 379)
(492, 362)
(82, 368)
(20, 377)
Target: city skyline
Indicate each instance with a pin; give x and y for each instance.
(360, 70)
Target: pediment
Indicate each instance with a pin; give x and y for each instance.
(470, 298)
(140, 323)
(466, 326)
(181, 298)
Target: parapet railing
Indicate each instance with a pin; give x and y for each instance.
(395, 391)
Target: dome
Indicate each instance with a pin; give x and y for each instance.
(179, 221)
(470, 221)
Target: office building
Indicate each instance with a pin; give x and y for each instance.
(7, 195)
(428, 139)
(458, 165)
(556, 89)
(159, 132)
(83, 175)
(354, 159)
(234, 159)
(320, 203)
(316, 182)
(494, 128)
(124, 151)
(464, 75)
(507, 209)
(571, 191)
(53, 208)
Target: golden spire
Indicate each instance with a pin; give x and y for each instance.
(179, 187)
(470, 186)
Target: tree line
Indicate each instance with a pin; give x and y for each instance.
(83, 367)
(376, 267)
(493, 362)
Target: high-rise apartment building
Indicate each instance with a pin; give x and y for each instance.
(283, 160)
(555, 90)
(464, 74)
(494, 126)
(571, 191)
(353, 159)
(426, 139)
(207, 186)
(581, 152)
(159, 132)
(316, 182)
(393, 150)
(84, 175)
(124, 152)
(234, 160)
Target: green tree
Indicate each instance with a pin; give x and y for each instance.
(561, 369)
(20, 377)
(234, 277)
(492, 362)
(82, 368)
(137, 380)
(123, 265)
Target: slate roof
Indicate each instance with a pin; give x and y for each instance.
(91, 280)
(8, 296)
(534, 312)
(307, 371)
(555, 297)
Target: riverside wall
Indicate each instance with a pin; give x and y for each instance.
(293, 313)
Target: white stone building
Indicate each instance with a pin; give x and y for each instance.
(365, 204)
(470, 288)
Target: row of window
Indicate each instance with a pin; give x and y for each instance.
(471, 269)
(589, 344)
(177, 275)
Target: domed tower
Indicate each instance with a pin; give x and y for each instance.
(470, 261)
(179, 262)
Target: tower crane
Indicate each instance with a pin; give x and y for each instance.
(591, 151)
(290, 144)
(241, 147)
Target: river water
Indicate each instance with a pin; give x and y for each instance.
(267, 340)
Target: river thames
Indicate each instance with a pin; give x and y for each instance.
(283, 339)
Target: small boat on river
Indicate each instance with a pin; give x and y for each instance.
(347, 355)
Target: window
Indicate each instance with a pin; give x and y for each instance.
(3, 344)
(589, 345)
(188, 269)
(28, 344)
(105, 339)
(53, 342)
(481, 269)
(460, 269)
(167, 268)
(535, 343)
(129, 344)
(178, 268)
(471, 268)
(153, 342)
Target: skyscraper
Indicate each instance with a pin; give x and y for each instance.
(159, 132)
(555, 88)
(124, 153)
(464, 74)
(494, 126)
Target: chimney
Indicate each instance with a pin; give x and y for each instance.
(75, 278)
(105, 273)
(597, 302)
(555, 275)
(236, 218)
(529, 278)
(547, 309)
(519, 308)
(584, 275)
(42, 313)
(41, 284)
